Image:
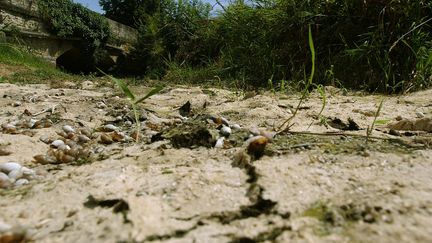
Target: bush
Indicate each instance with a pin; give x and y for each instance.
(68, 19)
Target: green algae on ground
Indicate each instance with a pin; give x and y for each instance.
(340, 144)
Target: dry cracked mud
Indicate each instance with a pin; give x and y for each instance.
(315, 183)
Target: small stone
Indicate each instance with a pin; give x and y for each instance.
(256, 145)
(225, 131)
(101, 105)
(21, 182)
(235, 127)
(57, 143)
(9, 166)
(64, 147)
(4, 227)
(68, 129)
(27, 172)
(87, 85)
(4, 180)
(220, 142)
(420, 114)
(15, 175)
(9, 128)
(369, 218)
(106, 139)
(110, 128)
(83, 138)
(16, 104)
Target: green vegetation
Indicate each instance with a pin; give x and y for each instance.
(380, 45)
(28, 67)
(134, 101)
(68, 19)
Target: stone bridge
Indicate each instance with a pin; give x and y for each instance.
(20, 22)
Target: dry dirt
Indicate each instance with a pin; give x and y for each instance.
(320, 187)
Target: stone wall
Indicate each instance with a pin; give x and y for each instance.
(23, 15)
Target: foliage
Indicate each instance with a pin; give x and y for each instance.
(129, 12)
(68, 19)
(133, 100)
(378, 45)
(28, 68)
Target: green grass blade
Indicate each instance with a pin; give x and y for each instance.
(312, 49)
(151, 93)
(122, 85)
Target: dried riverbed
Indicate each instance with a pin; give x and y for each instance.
(320, 181)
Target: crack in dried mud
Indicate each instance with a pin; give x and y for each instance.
(259, 206)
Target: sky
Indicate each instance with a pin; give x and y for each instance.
(94, 4)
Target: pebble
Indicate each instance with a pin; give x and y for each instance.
(45, 139)
(110, 128)
(101, 105)
(9, 166)
(87, 85)
(68, 129)
(32, 123)
(4, 180)
(15, 174)
(4, 227)
(220, 142)
(16, 104)
(9, 128)
(420, 114)
(21, 182)
(235, 127)
(64, 147)
(83, 138)
(57, 143)
(225, 131)
(12, 172)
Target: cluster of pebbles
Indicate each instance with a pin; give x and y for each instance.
(13, 174)
(256, 139)
(16, 127)
(77, 144)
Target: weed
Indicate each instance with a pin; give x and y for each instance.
(133, 100)
(308, 84)
(371, 127)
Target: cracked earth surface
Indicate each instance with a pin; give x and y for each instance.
(304, 189)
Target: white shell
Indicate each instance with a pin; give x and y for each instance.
(4, 227)
(9, 166)
(57, 143)
(32, 122)
(220, 142)
(83, 139)
(101, 105)
(225, 121)
(420, 114)
(235, 126)
(110, 128)
(45, 139)
(8, 126)
(27, 172)
(15, 174)
(16, 103)
(21, 182)
(3, 178)
(64, 147)
(68, 129)
(225, 131)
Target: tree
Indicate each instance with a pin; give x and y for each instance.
(129, 12)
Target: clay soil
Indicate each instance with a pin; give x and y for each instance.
(315, 183)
